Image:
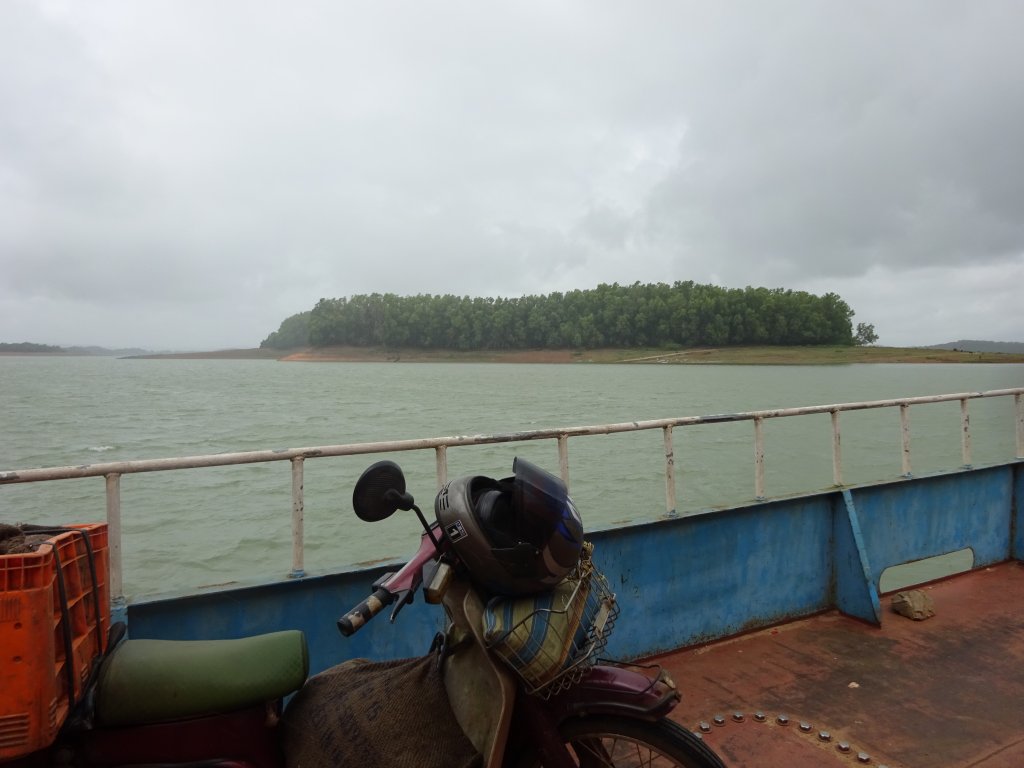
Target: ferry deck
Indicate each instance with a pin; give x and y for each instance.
(830, 690)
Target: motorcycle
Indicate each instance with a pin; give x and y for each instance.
(513, 681)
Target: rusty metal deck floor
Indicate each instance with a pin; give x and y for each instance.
(947, 692)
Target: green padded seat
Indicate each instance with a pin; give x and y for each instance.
(150, 681)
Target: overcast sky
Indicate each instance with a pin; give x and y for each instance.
(186, 174)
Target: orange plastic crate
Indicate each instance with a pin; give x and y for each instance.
(53, 623)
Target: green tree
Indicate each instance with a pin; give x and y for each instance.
(653, 314)
(865, 334)
(293, 332)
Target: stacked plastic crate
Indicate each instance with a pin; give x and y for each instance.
(54, 616)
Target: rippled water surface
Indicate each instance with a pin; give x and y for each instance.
(201, 527)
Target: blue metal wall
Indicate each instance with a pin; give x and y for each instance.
(692, 579)
(1017, 530)
(913, 520)
(680, 581)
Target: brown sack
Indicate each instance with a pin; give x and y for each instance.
(387, 714)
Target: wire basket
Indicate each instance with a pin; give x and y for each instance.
(550, 640)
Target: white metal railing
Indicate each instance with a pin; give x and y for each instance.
(112, 471)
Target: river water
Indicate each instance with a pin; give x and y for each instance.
(199, 528)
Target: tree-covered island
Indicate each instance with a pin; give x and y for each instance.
(684, 314)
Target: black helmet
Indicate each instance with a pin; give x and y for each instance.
(516, 536)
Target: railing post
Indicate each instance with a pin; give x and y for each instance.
(563, 458)
(759, 457)
(905, 437)
(670, 473)
(113, 482)
(441, 460)
(298, 515)
(837, 453)
(1018, 405)
(965, 433)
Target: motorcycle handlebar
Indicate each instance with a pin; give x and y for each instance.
(366, 610)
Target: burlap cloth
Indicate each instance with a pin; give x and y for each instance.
(385, 714)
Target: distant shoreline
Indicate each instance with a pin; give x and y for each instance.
(695, 356)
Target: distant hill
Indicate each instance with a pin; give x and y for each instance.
(972, 345)
(103, 351)
(28, 348)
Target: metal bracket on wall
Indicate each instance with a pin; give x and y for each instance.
(856, 593)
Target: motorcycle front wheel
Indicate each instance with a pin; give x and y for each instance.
(614, 742)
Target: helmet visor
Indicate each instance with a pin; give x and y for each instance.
(542, 501)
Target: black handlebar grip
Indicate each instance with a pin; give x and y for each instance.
(366, 610)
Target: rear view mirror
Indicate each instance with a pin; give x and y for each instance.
(380, 491)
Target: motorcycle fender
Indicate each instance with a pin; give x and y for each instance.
(608, 690)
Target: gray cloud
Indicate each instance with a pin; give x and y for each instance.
(186, 174)
(852, 144)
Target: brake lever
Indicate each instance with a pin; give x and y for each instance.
(402, 599)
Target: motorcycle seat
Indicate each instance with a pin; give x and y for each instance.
(151, 681)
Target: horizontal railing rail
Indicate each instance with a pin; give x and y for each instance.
(113, 471)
